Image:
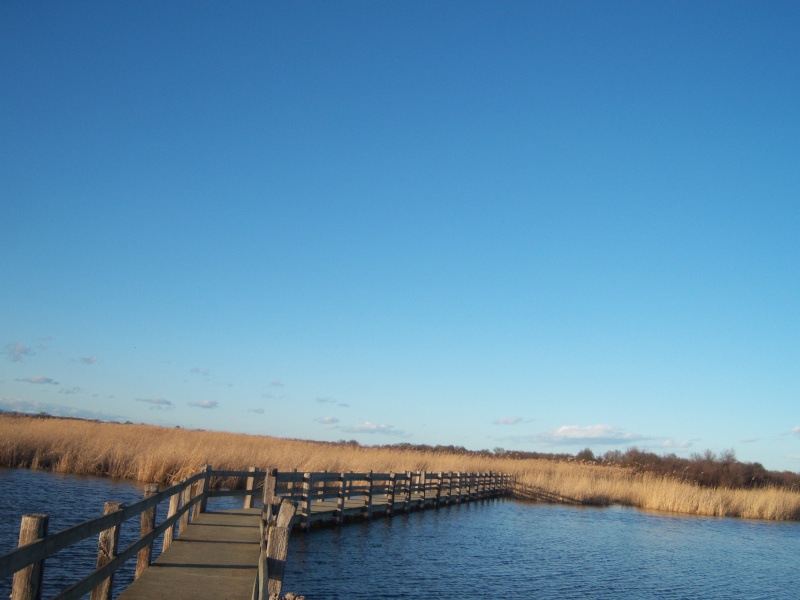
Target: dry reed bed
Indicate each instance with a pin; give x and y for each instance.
(163, 455)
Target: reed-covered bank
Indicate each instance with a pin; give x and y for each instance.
(164, 455)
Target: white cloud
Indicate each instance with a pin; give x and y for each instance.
(39, 379)
(508, 421)
(157, 403)
(17, 350)
(89, 360)
(796, 430)
(205, 404)
(369, 427)
(327, 420)
(585, 434)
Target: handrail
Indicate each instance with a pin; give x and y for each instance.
(298, 490)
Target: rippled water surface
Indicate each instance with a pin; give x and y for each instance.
(493, 549)
(506, 549)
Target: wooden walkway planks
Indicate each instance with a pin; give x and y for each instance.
(215, 558)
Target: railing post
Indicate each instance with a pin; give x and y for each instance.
(439, 489)
(341, 499)
(392, 492)
(409, 488)
(249, 487)
(368, 503)
(106, 551)
(277, 546)
(169, 534)
(206, 487)
(186, 495)
(270, 487)
(27, 583)
(148, 523)
(305, 524)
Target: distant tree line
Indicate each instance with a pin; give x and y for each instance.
(706, 469)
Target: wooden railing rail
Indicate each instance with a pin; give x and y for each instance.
(350, 493)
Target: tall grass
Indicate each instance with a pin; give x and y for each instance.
(158, 454)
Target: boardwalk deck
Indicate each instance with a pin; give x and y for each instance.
(216, 558)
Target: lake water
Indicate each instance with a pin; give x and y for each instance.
(492, 549)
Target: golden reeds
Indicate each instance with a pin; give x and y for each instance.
(163, 455)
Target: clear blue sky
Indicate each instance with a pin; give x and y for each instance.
(537, 226)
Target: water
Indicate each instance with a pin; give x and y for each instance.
(502, 548)
(69, 500)
(493, 549)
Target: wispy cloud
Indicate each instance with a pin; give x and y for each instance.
(750, 440)
(200, 371)
(16, 351)
(326, 400)
(73, 390)
(796, 430)
(276, 383)
(587, 434)
(258, 411)
(670, 443)
(157, 403)
(39, 379)
(35, 407)
(89, 360)
(508, 421)
(327, 420)
(205, 404)
(371, 428)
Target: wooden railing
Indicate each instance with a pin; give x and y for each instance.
(303, 498)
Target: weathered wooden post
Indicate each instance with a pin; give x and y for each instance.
(340, 500)
(106, 551)
(249, 487)
(278, 547)
(368, 503)
(439, 482)
(305, 524)
(391, 494)
(270, 487)
(27, 583)
(148, 523)
(206, 487)
(169, 534)
(186, 496)
(409, 488)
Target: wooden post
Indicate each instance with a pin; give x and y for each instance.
(439, 489)
(306, 522)
(368, 503)
(148, 523)
(391, 494)
(206, 486)
(249, 486)
(169, 534)
(277, 548)
(409, 488)
(27, 583)
(106, 551)
(340, 501)
(270, 487)
(186, 495)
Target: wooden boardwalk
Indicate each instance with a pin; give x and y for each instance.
(215, 557)
(236, 553)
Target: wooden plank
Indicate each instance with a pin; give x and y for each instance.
(216, 557)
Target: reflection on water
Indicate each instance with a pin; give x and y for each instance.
(488, 550)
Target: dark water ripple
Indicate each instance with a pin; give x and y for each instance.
(502, 549)
(496, 549)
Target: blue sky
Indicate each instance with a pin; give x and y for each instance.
(536, 226)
